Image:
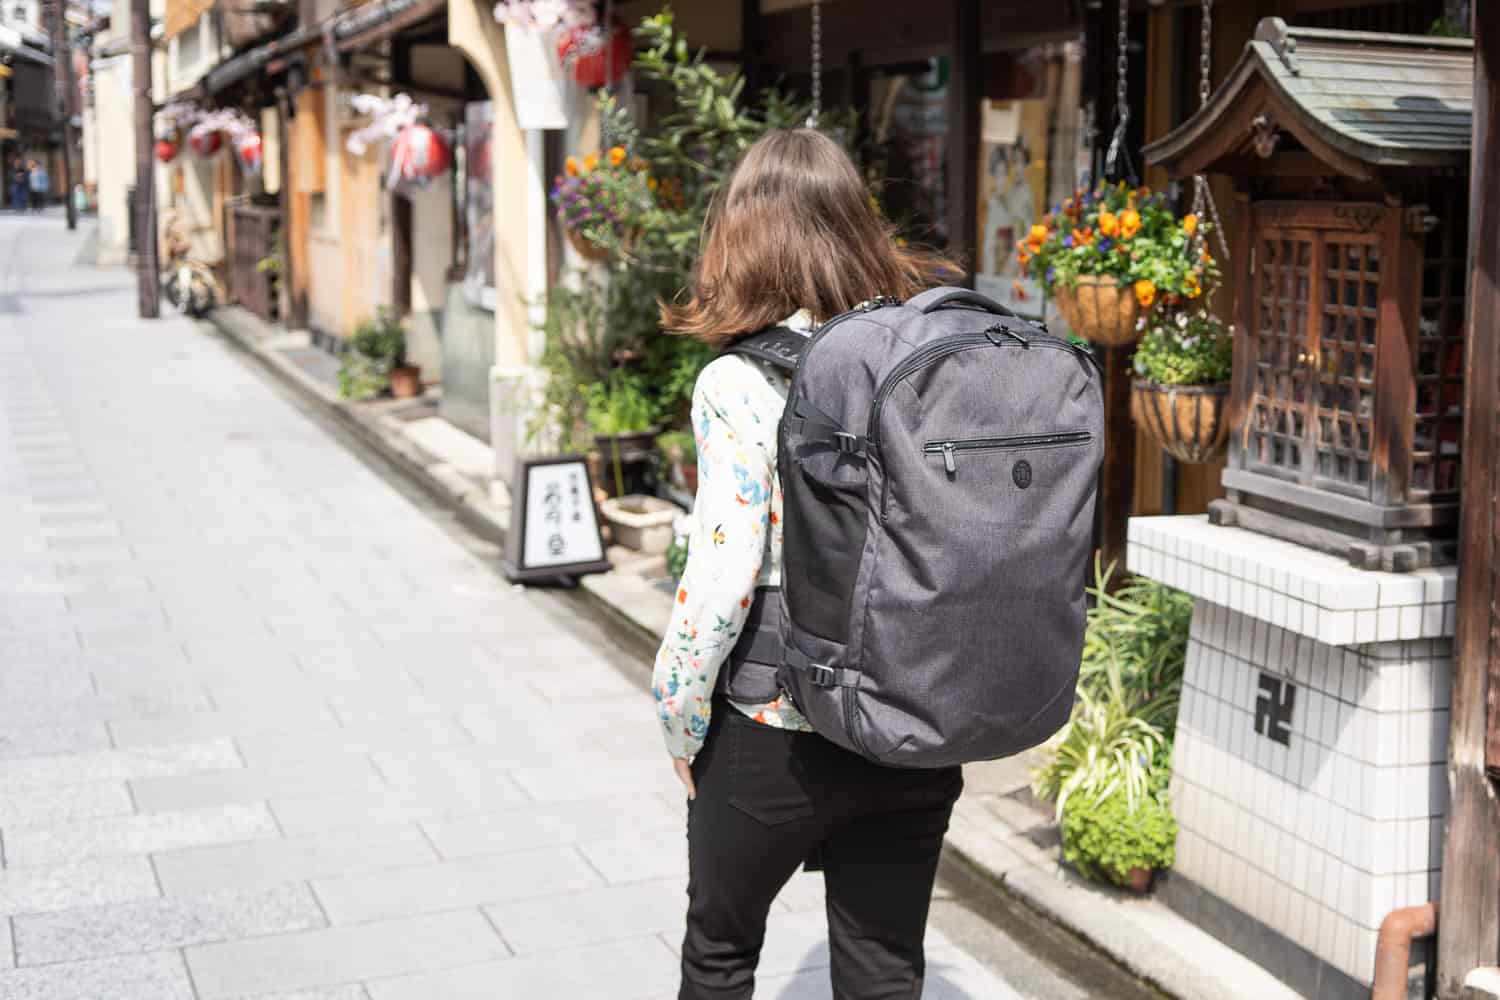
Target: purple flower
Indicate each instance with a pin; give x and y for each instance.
(1105, 244)
(1068, 241)
(1051, 275)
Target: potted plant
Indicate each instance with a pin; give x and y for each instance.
(621, 413)
(1178, 396)
(1110, 255)
(679, 449)
(601, 200)
(1109, 839)
(374, 360)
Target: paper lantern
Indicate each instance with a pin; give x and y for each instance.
(418, 154)
(594, 57)
(166, 150)
(248, 149)
(204, 142)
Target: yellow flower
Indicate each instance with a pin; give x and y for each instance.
(1083, 237)
(570, 167)
(617, 156)
(1109, 223)
(1130, 223)
(651, 184)
(1190, 224)
(1022, 257)
(1145, 292)
(591, 161)
(1191, 287)
(1036, 237)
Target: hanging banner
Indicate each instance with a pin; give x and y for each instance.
(536, 80)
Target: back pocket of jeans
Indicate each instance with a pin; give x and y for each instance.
(766, 779)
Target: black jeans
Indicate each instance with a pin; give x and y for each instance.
(770, 799)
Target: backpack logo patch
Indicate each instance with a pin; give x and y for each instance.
(1021, 473)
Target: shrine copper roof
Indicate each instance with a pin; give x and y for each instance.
(1378, 100)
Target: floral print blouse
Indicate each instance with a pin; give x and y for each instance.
(734, 546)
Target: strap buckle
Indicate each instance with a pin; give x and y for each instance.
(847, 443)
(821, 676)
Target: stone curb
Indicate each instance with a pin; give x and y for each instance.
(1142, 935)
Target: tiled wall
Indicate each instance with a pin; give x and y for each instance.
(1318, 838)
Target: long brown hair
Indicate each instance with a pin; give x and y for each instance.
(795, 228)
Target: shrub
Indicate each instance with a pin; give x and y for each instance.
(377, 345)
(1181, 348)
(1105, 838)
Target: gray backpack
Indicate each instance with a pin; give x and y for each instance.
(938, 463)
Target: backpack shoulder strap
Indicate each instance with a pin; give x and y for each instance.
(780, 346)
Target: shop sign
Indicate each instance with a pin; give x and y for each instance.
(554, 525)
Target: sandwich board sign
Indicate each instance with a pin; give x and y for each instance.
(554, 525)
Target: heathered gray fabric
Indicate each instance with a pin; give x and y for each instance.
(965, 619)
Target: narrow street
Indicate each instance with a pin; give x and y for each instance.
(272, 724)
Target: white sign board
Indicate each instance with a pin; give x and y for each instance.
(554, 526)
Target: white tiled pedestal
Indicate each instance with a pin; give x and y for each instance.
(1308, 775)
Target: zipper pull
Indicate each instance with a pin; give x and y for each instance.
(949, 461)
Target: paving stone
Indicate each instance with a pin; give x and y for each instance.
(117, 765)
(65, 804)
(638, 856)
(123, 835)
(351, 991)
(42, 741)
(539, 826)
(343, 954)
(344, 774)
(269, 749)
(157, 924)
(450, 885)
(7, 950)
(474, 795)
(595, 973)
(561, 922)
(160, 976)
(261, 863)
(643, 774)
(222, 721)
(96, 882)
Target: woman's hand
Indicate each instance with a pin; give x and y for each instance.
(684, 771)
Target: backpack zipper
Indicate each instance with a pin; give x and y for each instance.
(940, 349)
(1020, 442)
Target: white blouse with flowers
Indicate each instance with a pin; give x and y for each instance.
(734, 546)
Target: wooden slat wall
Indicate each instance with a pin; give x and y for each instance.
(182, 15)
(1469, 931)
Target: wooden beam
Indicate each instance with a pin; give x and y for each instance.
(1469, 932)
(963, 133)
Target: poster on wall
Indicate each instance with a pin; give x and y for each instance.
(554, 526)
(479, 279)
(1027, 148)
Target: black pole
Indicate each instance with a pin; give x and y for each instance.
(146, 268)
(62, 77)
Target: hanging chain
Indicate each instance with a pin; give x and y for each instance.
(1117, 152)
(1203, 197)
(817, 65)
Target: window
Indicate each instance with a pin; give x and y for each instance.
(190, 46)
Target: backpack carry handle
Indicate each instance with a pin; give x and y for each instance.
(948, 296)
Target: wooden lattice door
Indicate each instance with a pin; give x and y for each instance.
(1313, 357)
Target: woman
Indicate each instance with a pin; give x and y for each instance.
(794, 239)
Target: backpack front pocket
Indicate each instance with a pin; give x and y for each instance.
(951, 449)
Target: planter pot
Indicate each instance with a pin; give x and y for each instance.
(589, 251)
(406, 382)
(1139, 880)
(636, 451)
(1188, 421)
(1100, 310)
(640, 522)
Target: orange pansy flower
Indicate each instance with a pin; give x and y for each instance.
(1145, 292)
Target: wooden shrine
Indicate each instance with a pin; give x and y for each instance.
(1350, 154)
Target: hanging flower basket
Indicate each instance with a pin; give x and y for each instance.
(586, 248)
(1101, 310)
(1188, 421)
(166, 150)
(249, 150)
(204, 142)
(595, 56)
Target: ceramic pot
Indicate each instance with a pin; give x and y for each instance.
(406, 382)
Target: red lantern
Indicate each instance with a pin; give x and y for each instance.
(248, 148)
(594, 59)
(166, 150)
(204, 142)
(418, 154)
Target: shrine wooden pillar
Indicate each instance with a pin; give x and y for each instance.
(1469, 924)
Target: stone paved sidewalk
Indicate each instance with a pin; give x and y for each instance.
(267, 730)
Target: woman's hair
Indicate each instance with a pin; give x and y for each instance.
(795, 228)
